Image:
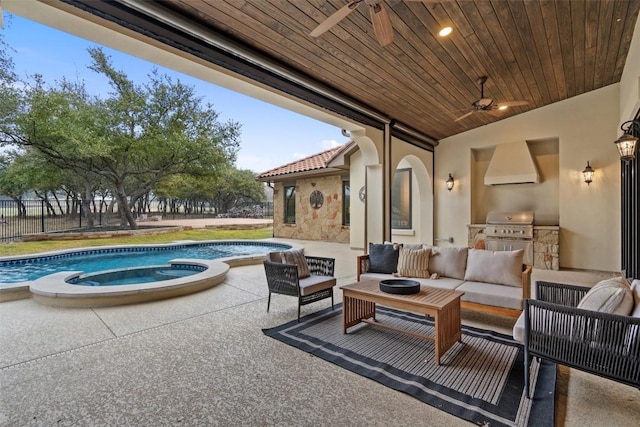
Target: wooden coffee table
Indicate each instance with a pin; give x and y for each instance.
(359, 305)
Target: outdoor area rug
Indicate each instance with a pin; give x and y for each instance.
(480, 380)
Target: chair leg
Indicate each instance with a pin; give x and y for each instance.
(268, 301)
(298, 311)
(331, 299)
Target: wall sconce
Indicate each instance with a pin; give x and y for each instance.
(450, 183)
(588, 173)
(626, 144)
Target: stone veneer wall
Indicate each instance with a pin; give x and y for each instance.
(324, 223)
(546, 244)
(546, 247)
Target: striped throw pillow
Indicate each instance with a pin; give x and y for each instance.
(296, 256)
(414, 262)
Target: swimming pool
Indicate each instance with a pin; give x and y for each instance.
(26, 269)
(131, 276)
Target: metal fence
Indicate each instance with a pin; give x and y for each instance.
(31, 216)
(246, 210)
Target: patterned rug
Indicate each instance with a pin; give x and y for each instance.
(479, 380)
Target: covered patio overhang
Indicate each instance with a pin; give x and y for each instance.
(405, 96)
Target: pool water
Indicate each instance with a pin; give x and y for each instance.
(136, 276)
(100, 259)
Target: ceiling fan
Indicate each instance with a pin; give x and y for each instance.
(379, 18)
(487, 105)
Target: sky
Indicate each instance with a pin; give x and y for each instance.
(270, 135)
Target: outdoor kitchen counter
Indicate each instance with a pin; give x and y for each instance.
(546, 244)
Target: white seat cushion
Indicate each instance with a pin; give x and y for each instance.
(441, 283)
(491, 294)
(518, 329)
(312, 284)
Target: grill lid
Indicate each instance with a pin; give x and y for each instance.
(510, 217)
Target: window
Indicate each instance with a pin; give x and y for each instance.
(346, 203)
(290, 204)
(401, 199)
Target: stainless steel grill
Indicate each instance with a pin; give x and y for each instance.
(508, 231)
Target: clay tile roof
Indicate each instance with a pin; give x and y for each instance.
(310, 163)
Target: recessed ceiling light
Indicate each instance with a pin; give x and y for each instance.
(502, 107)
(445, 31)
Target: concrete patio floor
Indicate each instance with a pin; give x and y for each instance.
(203, 360)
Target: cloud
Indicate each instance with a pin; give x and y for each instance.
(298, 156)
(329, 143)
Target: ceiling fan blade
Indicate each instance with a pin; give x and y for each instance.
(494, 112)
(381, 24)
(464, 116)
(332, 20)
(512, 104)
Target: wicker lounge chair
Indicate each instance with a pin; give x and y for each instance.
(283, 279)
(603, 344)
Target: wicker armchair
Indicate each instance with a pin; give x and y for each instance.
(283, 279)
(603, 344)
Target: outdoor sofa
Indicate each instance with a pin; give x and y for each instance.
(492, 281)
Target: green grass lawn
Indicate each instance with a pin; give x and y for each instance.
(20, 248)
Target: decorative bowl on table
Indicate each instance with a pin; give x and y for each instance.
(400, 286)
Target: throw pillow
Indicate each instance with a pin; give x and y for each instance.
(413, 245)
(448, 262)
(383, 258)
(296, 256)
(609, 296)
(500, 267)
(413, 262)
(635, 290)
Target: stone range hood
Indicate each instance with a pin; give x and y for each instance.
(511, 163)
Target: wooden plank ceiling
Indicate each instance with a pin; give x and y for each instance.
(538, 51)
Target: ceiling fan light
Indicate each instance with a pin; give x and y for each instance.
(445, 31)
(503, 107)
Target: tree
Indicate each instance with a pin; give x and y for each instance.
(236, 188)
(134, 138)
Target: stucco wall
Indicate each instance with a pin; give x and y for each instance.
(630, 80)
(324, 223)
(589, 216)
(405, 155)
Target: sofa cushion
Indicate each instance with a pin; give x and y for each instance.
(441, 283)
(609, 296)
(448, 262)
(499, 267)
(296, 256)
(413, 262)
(312, 284)
(383, 258)
(375, 276)
(518, 329)
(492, 294)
